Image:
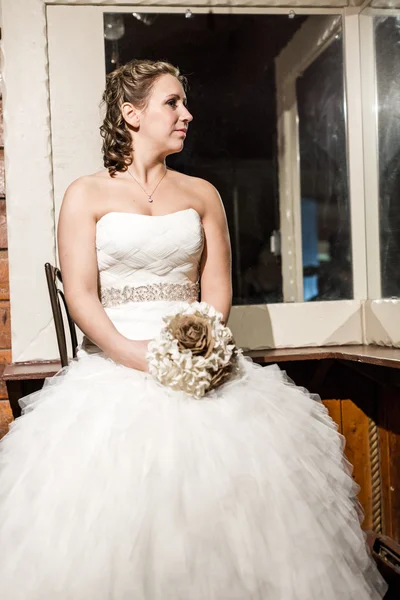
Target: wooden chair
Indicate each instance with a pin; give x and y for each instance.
(58, 306)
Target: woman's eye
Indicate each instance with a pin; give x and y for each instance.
(172, 103)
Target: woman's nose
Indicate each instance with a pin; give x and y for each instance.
(186, 116)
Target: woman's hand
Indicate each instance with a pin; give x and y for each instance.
(141, 348)
(134, 355)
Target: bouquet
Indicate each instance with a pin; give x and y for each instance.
(195, 352)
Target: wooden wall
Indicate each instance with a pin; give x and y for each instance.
(357, 397)
(5, 328)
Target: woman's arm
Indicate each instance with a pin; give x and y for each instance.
(216, 263)
(77, 252)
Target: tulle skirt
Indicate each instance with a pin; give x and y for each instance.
(115, 488)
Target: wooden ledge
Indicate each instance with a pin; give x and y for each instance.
(375, 355)
(31, 370)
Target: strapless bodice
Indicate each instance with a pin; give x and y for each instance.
(142, 258)
(135, 250)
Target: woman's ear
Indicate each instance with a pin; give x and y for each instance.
(130, 114)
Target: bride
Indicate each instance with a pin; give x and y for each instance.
(113, 487)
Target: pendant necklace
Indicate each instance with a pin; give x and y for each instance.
(149, 196)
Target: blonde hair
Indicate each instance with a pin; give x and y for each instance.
(132, 83)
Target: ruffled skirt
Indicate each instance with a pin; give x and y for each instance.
(115, 488)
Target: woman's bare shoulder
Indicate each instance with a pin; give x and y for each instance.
(86, 183)
(193, 183)
(84, 194)
(200, 190)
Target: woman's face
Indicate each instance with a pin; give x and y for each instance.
(164, 122)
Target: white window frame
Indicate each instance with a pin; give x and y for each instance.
(371, 152)
(381, 315)
(302, 50)
(35, 175)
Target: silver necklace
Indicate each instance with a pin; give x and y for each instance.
(149, 196)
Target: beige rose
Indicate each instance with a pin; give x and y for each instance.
(193, 333)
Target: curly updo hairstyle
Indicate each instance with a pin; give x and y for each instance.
(132, 83)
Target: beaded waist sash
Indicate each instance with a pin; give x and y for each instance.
(180, 292)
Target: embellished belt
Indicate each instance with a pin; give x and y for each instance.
(181, 292)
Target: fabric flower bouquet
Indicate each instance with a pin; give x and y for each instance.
(195, 352)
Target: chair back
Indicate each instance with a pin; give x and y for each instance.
(58, 305)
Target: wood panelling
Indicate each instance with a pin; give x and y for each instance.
(355, 430)
(352, 399)
(5, 417)
(384, 448)
(1, 124)
(389, 428)
(3, 226)
(5, 329)
(335, 412)
(5, 357)
(2, 177)
(4, 283)
(3, 391)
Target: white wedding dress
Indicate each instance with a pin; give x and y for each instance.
(113, 487)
